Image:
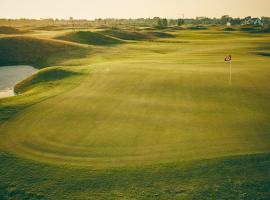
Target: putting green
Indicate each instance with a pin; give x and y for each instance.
(153, 102)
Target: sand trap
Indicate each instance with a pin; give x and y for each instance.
(10, 76)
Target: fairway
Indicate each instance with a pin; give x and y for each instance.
(144, 104)
(153, 103)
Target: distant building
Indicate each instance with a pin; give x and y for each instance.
(229, 24)
(252, 21)
(258, 22)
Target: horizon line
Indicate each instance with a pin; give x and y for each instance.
(119, 18)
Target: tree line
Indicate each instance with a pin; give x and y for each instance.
(154, 22)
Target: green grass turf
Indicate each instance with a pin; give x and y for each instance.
(49, 74)
(91, 38)
(21, 50)
(133, 35)
(244, 177)
(145, 120)
(126, 35)
(10, 30)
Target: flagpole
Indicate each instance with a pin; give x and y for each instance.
(230, 71)
(229, 58)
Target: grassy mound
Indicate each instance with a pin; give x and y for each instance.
(177, 28)
(127, 35)
(162, 35)
(253, 29)
(130, 35)
(267, 54)
(45, 75)
(229, 29)
(10, 30)
(198, 28)
(32, 51)
(50, 28)
(87, 37)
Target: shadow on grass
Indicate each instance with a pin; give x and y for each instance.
(266, 54)
(91, 38)
(251, 29)
(229, 29)
(136, 36)
(45, 75)
(37, 52)
(198, 28)
(10, 30)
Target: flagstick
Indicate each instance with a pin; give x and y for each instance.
(230, 71)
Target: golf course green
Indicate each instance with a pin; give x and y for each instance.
(149, 114)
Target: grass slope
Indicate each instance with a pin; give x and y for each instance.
(47, 75)
(132, 35)
(10, 30)
(251, 29)
(27, 50)
(91, 38)
(126, 35)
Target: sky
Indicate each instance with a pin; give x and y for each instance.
(92, 9)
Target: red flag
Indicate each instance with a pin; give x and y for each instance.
(228, 58)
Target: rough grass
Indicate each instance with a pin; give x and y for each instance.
(126, 35)
(229, 29)
(51, 28)
(136, 35)
(111, 36)
(91, 38)
(161, 35)
(241, 177)
(252, 29)
(10, 30)
(24, 50)
(198, 27)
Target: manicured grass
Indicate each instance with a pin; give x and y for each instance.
(46, 75)
(155, 119)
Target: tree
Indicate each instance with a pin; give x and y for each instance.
(248, 18)
(225, 19)
(266, 20)
(180, 22)
(162, 22)
(159, 22)
(236, 21)
(72, 22)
